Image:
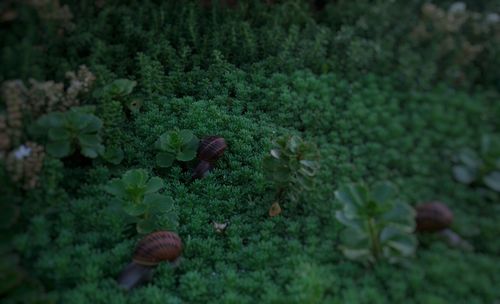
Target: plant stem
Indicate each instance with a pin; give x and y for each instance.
(372, 229)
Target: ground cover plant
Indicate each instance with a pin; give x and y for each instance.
(384, 90)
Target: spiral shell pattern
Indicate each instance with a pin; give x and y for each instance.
(211, 148)
(158, 247)
(433, 216)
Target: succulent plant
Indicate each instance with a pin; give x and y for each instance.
(138, 196)
(113, 155)
(117, 89)
(290, 167)
(378, 225)
(479, 168)
(66, 131)
(176, 145)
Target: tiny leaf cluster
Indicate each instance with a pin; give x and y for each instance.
(291, 166)
(176, 145)
(472, 167)
(378, 225)
(138, 197)
(67, 131)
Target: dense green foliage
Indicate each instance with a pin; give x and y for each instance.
(350, 78)
(69, 129)
(378, 226)
(137, 196)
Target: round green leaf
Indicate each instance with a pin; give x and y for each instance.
(61, 148)
(164, 159)
(186, 155)
(492, 180)
(155, 184)
(464, 174)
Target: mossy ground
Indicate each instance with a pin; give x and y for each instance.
(348, 78)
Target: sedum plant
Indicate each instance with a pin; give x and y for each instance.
(479, 168)
(378, 225)
(69, 131)
(176, 145)
(116, 89)
(290, 167)
(138, 196)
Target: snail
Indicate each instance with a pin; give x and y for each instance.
(436, 217)
(210, 150)
(433, 217)
(153, 249)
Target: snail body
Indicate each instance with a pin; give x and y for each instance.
(153, 249)
(433, 217)
(211, 148)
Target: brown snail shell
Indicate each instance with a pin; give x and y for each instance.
(433, 217)
(211, 148)
(158, 247)
(150, 251)
(202, 169)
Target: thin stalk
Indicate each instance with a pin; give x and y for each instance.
(373, 231)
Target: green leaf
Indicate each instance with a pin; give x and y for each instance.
(158, 203)
(186, 136)
(347, 221)
(93, 124)
(91, 152)
(59, 134)
(164, 159)
(59, 149)
(402, 215)
(383, 191)
(492, 180)
(355, 254)
(276, 153)
(134, 209)
(135, 178)
(470, 159)
(186, 155)
(91, 140)
(113, 155)
(464, 174)
(146, 226)
(117, 188)
(122, 87)
(155, 184)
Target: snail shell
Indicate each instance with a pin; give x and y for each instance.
(433, 216)
(211, 148)
(201, 170)
(158, 247)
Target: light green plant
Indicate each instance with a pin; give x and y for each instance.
(479, 168)
(176, 145)
(378, 225)
(65, 132)
(116, 89)
(138, 196)
(290, 167)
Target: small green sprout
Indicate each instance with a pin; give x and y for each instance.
(138, 196)
(484, 167)
(290, 167)
(176, 145)
(66, 131)
(117, 89)
(113, 155)
(378, 225)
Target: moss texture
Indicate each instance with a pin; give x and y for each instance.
(350, 78)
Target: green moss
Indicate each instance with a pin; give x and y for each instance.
(347, 78)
